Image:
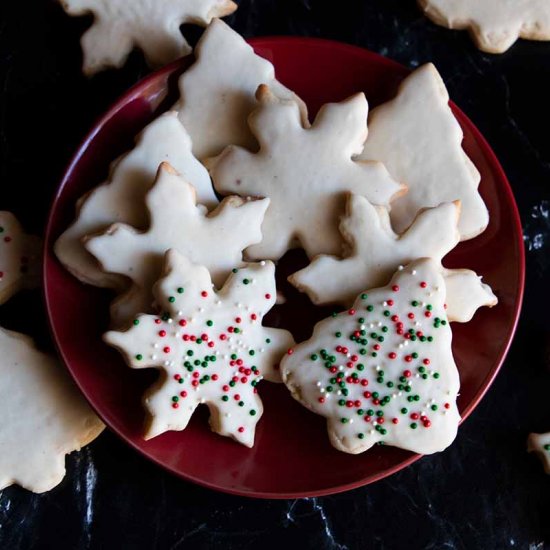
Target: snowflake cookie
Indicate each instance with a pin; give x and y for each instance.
(304, 171)
(215, 240)
(152, 26)
(217, 92)
(373, 252)
(540, 445)
(211, 347)
(19, 257)
(43, 416)
(494, 24)
(122, 198)
(383, 371)
(419, 140)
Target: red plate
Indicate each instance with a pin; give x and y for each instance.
(292, 457)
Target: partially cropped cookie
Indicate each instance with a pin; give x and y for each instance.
(153, 26)
(43, 416)
(419, 141)
(373, 252)
(540, 445)
(383, 371)
(495, 25)
(217, 91)
(305, 172)
(216, 239)
(19, 257)
(122, 198)
(210, 346)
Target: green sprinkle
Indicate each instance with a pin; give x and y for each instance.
(225, 398)
(209, 323)
(139, 357)
(136, 322)
(246, 281)
(361, 436)
(414, 425)
(171, 299)
(252, 412)
(364, 296)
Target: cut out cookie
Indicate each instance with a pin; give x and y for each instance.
(211, 347)
(383, 371)
(304, 171)
(540, 445)
(215, 240)
(217, 92)
(43, 416)
(373, 252)
(122, 198)
(419, 141)
(493, 24)
(151, 26)
(19, 257)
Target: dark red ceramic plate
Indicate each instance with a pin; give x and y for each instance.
(292, 456)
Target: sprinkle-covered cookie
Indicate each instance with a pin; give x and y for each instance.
(373, 252)
(211, 347)
(383, 371)
(44, 417)
(305, 172)
(19, 257)
(152, 26)
(215, 240)
(540, 445)
(122, 198)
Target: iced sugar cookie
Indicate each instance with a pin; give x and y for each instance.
(540, 445)
(210, 346)
(151, 26)
(217, 92)
(215, 240)
(494, 24)
(19, 257)
(122, 198)
(383, 371)
(373, 252)
(44, 417)
(419, 141)
(304, 171)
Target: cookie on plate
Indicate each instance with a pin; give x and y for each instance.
(210, 346)
(43, 416)
(122, 198)
(383, 371)
(215, 240)
(305, 172)
(152, 26)
(540, 445)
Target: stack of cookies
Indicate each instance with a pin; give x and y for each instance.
(375, 210)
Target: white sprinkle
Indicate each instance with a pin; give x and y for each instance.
(338, 392)
(156, 346)
(227, 415)
(400, 268)
(351, 420)
(201, 310)
(180, 313)
(413, 271)
(341, 367)
(262, 350)
(262, 263)
(153, 357)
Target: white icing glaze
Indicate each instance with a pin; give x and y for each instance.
(374, 252)
(429, 404)
(540, 444)
(304, 171)
(154, 27)
(215, 240)
(183, 292)
(44, 417)
(419, 140)
(217, 92)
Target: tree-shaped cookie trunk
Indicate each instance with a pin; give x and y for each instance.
(211, 347)
(383, 371)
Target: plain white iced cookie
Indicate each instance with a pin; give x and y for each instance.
(383, 371)
(151, 26)
(373, 252)
(305, 172)
(540, 445)
(20, 256)
(210, 346)
(493, 24)
(419, 141)
(122, 198)
(44, 417)
(217, 92)
(214, 239)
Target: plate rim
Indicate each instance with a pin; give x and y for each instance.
(258, 43)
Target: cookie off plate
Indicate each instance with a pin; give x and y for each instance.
(292, 456)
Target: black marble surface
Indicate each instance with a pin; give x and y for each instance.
(484, 492)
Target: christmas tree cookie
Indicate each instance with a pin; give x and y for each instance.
(373, 252)
(215, 240)
(383, 371)
(211, 347)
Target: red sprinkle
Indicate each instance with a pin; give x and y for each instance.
(395, 288)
